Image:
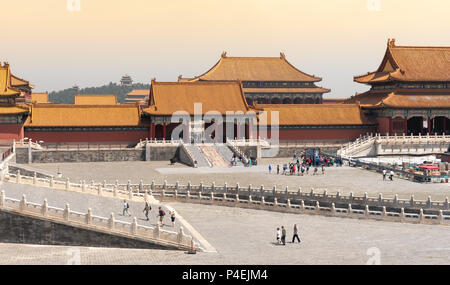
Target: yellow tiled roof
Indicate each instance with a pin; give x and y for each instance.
(6, 88)
(40, 98)
(13, 110)
(169, 97)
(411, 63)
(95, 99)
(58, 115)
(255, 69)
(316, 114)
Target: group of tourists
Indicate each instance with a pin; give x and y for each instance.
(391, 175)
(302, 165)
(147, 210)
(281, 235)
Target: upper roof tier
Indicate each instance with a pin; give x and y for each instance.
(95, 99)
(410, 63)
(255, 69)
(6, 87)
(167, 98)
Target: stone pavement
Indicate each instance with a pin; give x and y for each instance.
(80, 202)
(244, 236)
(344, 179)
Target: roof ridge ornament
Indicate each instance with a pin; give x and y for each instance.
(391, 42)
(224, 54)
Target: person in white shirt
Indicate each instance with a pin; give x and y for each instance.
(391, 175)
(384, 174)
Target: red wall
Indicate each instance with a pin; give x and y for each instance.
(119, 136)
(11, 132)
(323, 134)
(383, 125)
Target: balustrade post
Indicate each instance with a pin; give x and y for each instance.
(429, 202)
(67, 184)
(66, 214)
(225, 187)
(141, 186)
(128, 186)
(250, 201)
(237, 187)
(111, 221)
(188, 195)
(325, 193)
(83, 186)
(411, 201)
(23, 202)
(365, 197)
(380, 199)
(213, 186)
(18, 178)
(299, 192)
(177, 186)
(175, 194)
(117, 183)
(211, 197)
(34, 178)
(157, 232)
(180, 235)
(104, 184)
(275, 202)
(134, 226)
(237, 199)
(263, 202)
(338, 195)
(312, 193)
(446, 204)
(366, 211)
(115, 191)
(402, 214)
(333, 209)
(349, 210)
(165, 185)
(302, 206)
(89, 216)
(51, 182)
(189, 186)
(350, 198)
(288, 203)
(441, 217)
(317, 209)
(130, 194)
(2, 198)
(421, 216)
(99, 190)
(44, 209)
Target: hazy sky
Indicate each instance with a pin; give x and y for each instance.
(55, 48)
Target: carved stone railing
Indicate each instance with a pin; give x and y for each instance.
(254, 196)
(91, 222)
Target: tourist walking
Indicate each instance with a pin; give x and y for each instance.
(283, 235)
(278, 236)
(172, 218)
(384, 174)
(270, 168)
(315, 170)
(126, 208)
(161, 215)
(278, 169)
(146, 210)
(295, 236)
(323, 169)
(391, 175)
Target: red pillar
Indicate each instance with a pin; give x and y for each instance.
(152, 127)
(405, 125)
(164, 130)
(390, 125)
(238, 130)
(445, 125)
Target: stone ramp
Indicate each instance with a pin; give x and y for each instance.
(198, 155)
(213, 156)
(90, 213)
(226, 153)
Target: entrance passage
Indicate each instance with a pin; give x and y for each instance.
(416, 126)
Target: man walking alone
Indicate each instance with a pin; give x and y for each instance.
(295, 234)
(283, 235)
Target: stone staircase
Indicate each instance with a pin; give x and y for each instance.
(213, 156)
(225, 152)
(198, 155)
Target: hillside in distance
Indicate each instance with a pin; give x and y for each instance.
(67, 96)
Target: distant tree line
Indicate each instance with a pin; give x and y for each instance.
(67, 96)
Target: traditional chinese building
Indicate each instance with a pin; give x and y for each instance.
(13, 112)
(139, 96)
(266, 80)
(338, 122)
(198, 103)
(40, 98)
(95, 99)
(410, 90)
(126, 80)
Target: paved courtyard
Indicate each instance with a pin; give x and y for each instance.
(344, 179)
(243, 236)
